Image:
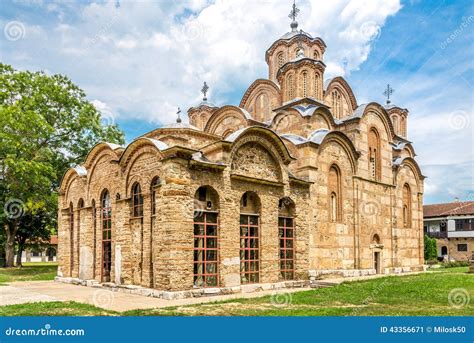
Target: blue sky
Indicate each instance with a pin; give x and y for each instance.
(139, 60)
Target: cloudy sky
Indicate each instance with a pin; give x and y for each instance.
(139, 60)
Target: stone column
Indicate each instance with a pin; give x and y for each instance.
(63, 254)
(175, 228)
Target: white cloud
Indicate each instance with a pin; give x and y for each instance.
(143, 55)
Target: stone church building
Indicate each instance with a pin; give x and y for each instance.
(297, 181)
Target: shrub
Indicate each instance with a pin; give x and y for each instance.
(430, 248)
(453, 264)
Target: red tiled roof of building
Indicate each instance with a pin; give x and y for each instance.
(448, 209)
(53, 240)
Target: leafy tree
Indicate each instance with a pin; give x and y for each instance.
(431, 251)
(46, 125)
(36, 227)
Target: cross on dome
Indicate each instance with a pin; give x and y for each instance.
(204, 90)
(178, 120)
(389, 91)
(293, 14)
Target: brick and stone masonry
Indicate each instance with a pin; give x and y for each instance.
(346, 172)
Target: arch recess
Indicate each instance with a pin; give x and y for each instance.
(340, 84)
(266, 137)
(413, 166)
(258, 87)
(342, 140)
(100, 148)
(225, 118)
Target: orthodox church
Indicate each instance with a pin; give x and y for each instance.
(297, 182)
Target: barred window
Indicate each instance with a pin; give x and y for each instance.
(137, 201)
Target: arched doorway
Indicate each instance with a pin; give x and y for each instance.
(51, 254)
(444, 250)
(249, 238)
(377, 253)
(206, 233)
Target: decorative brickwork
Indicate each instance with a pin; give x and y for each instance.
(266, 193)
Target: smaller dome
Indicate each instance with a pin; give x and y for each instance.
(180, 126)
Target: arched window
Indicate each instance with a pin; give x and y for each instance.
(206, 232)
(137, 201)
(398, 130)
(403, 127)
(334, 191)
(71, 238)
(374, 155)
(316, 85)
(155, 183)
(316, 55)
(305, 84)
(80, 206)
(286, 234)
(249, 238)
(375, 239)
(280, 59)
(406, 205)
(289, 86)
(336, 104)
(106, 212)
(94, 237)
(261, 107)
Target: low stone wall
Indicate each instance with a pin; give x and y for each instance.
(344, 273)
(194, 293)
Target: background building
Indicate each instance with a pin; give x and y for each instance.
(452, 224)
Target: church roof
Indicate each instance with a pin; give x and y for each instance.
(293, 103)
(159, 144)
(205, 103)
(292, 34)
(295, 139)
(114, 146)
(180, 126)
(81, 170)
(317, 136)
(307, 111)
(199, 157)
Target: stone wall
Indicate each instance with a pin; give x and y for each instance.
(156, 250)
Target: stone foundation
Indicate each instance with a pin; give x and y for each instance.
(194, 293)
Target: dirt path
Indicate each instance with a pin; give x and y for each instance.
(34, 291)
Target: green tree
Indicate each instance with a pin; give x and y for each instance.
(431, 251)
(46, 126)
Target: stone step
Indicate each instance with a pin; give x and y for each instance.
(323, 284)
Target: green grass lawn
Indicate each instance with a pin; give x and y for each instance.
(36, 271)
(411, 295)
